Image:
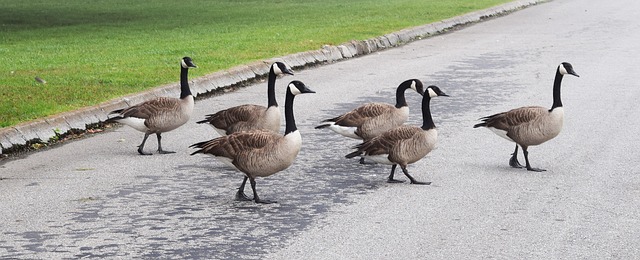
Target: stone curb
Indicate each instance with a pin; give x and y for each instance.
(46, 128)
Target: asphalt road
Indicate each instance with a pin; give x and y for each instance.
(96, 197)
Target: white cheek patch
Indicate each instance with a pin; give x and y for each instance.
(413, 85)
(135, 123)
(432, 93)
(276, 69)
(294, 90)
(563, 70)
(184, 64)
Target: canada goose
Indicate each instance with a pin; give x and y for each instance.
(404, 144)
(250, 117)
(533, 125)
(259, 153)
(162, 114)
(373, 119)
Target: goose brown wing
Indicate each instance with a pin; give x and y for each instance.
(359, 115)
(514, 117)
(227, 118)
(230, 146)
(149, 108)
(384, 143)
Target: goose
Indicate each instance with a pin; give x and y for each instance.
(404, 144)
(259, 153)
(249, 117)
(162, 114)
(373, 119)
(531, 125)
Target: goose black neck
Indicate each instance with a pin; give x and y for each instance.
(271, 89)
(185, 91)
(427, 121)
(290, 125)
(400, 100)
(557, 101)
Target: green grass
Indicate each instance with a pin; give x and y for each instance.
(92, 51)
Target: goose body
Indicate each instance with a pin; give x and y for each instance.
(162, 114)
(373, 119)
(531, 125)
(259, 153)
(405, 144)
(251, 117)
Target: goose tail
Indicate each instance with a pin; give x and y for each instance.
(113, 119)
(483, 124)
(324, 125)
(353, 154)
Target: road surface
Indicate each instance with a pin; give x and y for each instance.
(96, 197)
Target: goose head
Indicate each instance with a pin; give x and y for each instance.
(435, 91)
(188, 63)
(297, 87)
(279, 68)
(416, 85)
(566, 68)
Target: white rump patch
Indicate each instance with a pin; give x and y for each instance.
(135, 123)
(500, 133)
(347, 131)
(381, 158)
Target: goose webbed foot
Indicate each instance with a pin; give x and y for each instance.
(141, 146)
(256, 198)
(526, 158)
(141, 152)
(240, 196)
(535, 169)
(513, 162)
(390, 179)
(420, 182)
(413, 180)
(160, 150)
(261, 201)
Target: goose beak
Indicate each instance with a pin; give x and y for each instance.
(288, 71)
(307, 90)
(574, 73)
(443, 94)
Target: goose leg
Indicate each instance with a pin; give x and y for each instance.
(255, 194)
(141, 146)
(413, 181)
(160, 145)
(240, 196)
(513, 162)
(390, 179)
(526, 158)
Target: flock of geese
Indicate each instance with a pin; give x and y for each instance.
(251, 143)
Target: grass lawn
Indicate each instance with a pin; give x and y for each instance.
(94, 50)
